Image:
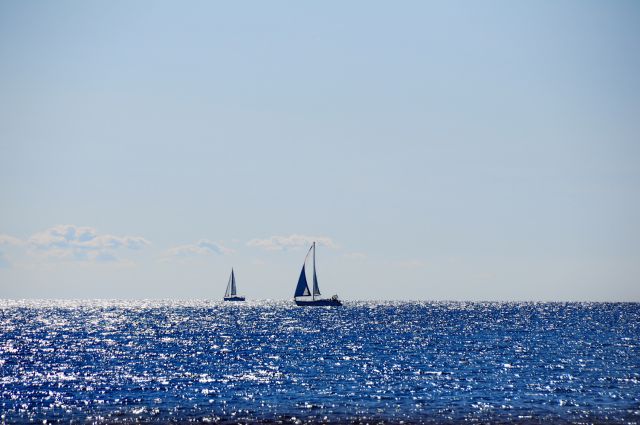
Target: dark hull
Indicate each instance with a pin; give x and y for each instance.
(319, 303)
(234, 298)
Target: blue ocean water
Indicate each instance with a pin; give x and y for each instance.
(160, 361)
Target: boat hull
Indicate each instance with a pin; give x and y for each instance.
(234, 298)
(319, 303)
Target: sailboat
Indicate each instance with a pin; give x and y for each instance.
(231, 293)
(302, 294)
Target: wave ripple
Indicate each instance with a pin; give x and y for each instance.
(263, 361)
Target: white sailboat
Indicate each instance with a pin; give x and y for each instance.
(231, 294)
(304, 297)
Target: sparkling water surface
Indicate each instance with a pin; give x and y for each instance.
(267, 361)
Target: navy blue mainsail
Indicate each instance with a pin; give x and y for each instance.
(316, 288)
(233, 283)
(302, 290)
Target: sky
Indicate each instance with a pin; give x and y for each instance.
(434, 150)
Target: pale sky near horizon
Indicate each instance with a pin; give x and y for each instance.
(436, 150)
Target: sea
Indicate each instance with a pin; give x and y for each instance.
(117, 361)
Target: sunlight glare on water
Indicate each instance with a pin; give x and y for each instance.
(126, 361)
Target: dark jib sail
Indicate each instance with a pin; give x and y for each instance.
(302, 289)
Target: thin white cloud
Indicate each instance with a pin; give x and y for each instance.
(355, 255)
(280, 243)
(79, 243)
(202, 247)
(9, 240)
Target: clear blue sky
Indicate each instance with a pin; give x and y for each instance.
(453, 150)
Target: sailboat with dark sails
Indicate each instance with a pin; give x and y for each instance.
(231, 293)
(304, 297)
